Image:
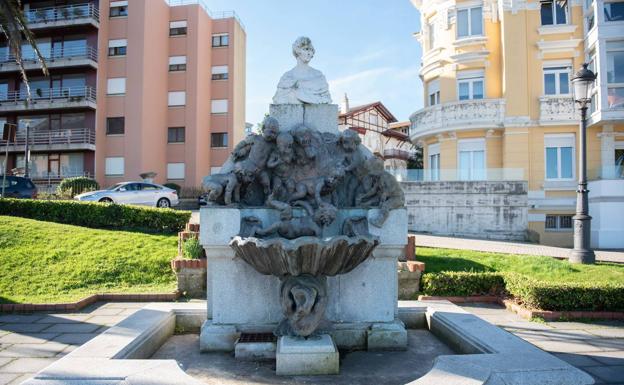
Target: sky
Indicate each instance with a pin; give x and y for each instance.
(364, 47)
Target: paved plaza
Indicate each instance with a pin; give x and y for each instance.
(28, 343)
(508, 247)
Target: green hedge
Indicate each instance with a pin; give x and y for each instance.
(554, 296)
(463, 283)
(98, 215)
(566, 296)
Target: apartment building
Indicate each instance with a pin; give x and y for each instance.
(498, 103)
(380, 132)
(135, 86)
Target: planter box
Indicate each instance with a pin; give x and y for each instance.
(191, 276)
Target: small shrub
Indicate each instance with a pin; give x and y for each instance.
(174, 186)
(191, 192)
(463, 283)
(98, 215)
(73, 186)
(192, 249)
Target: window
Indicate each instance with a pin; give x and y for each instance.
(116, 86)
(471, 154)
(557, 80)
(432, 37)
(434, 161)
(558, 222)
(114, 166)
(220, 40)
(219, 106)
(615, 74)
(118, 9)
(433, 88)
(175, 135)
(553, 12)
(470, 85)
(115, 126)
(149, 187)
(219, 72)
(175, 171)
(177, 63)
(177, 28)
(614, 10)
(4, 90)
(219, 139)
(469, 22)
(559, 156)
(117, 47)
(177, 98)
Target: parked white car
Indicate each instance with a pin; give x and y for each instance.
(134, 193)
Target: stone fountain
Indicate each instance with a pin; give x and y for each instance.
(302, 234)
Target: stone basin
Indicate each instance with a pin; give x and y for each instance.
(305, 255)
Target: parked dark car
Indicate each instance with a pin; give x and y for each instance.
(18, 187)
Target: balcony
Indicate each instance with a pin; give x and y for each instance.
(71, 57)
(395, 153)
(49, 99)
(557, 110)
(63, 16)
(456, 116)
(53, 140)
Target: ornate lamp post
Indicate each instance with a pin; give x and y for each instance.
(582, 83)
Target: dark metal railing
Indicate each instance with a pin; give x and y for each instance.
(49, 137)
(62, 13)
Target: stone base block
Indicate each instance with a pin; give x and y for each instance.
(409, 284)
(306, 357)
(217, 338)
(351, 338)
(254, 351)
(387, 336)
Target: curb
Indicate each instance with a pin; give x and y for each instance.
(468, 299)
(73, 306)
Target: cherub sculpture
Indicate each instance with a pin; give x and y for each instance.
(291, 227)
(222, 189)
(390, 193)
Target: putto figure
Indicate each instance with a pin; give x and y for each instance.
(302, 84)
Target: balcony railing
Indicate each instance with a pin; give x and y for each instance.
(54, 137)
(62, 13)
(482, 113)
(395, 153)
(50, 56)
(556, 109)
(47, 98)
(454, 174)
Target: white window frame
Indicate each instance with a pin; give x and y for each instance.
(604, 5)
(217, 72)
(114, 163)
(470, 26)
(117, 43)
(559, 141)
(433, 150)
(178, 24)
(177, 61)
(219, 35)
(176, 98)
(118, 4)
(471, 77)
(472, 145)
(553, 9)
(558, 221)
(116, 86)
(557, 70)
(176, 171)
(433, 89)
(219, 106)
(611, 85)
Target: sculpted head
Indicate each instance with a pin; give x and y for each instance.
(303, 49)
(285, 145)
(350, 140)
(270, 129)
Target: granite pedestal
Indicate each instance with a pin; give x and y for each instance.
(306, 357)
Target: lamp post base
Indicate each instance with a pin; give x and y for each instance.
(582, 256)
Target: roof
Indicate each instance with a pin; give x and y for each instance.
(395, 134)
(377, 105)
(400, 124)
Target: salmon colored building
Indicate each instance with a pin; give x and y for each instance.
(135, 86)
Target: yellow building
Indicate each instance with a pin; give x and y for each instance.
(498, 104)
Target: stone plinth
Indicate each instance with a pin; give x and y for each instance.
(320, 117)
(306, 357)
(240, 297)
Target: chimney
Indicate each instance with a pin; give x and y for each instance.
(345, 105)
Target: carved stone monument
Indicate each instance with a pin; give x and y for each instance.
(302, 234)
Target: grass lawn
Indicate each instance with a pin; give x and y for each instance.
(541, 268)
(45, 262)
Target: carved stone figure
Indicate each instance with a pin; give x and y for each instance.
(290, 227)
(302, 84)
(304, 300)
(222, 189)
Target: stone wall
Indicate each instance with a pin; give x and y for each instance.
(479, 209)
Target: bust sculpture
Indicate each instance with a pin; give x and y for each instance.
(302, 84)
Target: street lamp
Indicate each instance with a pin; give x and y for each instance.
(582, 84)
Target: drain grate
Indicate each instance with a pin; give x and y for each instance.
(256, 337)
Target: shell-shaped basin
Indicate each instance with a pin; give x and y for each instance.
(305, 255)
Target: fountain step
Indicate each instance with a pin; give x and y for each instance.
(306, 357)
(255, 347)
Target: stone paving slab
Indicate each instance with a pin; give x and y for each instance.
(508, 247)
